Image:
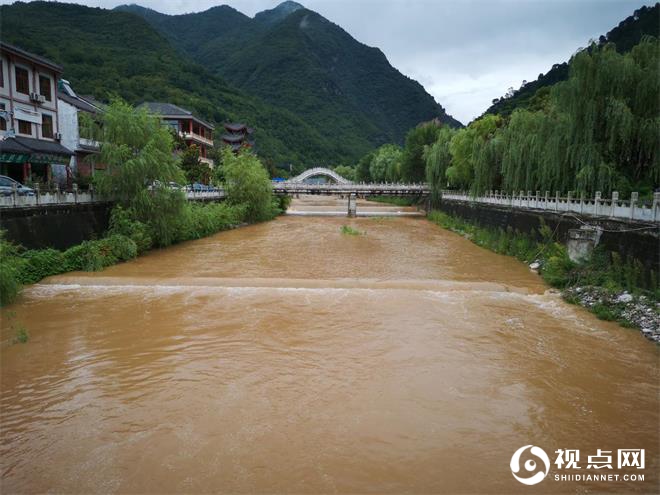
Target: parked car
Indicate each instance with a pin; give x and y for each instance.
(7, 187)
(170, 185)
(198, 187)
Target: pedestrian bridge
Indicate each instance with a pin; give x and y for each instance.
(348, 188)
(320, 172)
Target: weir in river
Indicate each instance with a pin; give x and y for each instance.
(289, 357)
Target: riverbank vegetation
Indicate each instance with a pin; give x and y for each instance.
(595, 131)
(138, 153)
(605, 273)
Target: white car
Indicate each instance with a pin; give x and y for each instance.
(7, 185)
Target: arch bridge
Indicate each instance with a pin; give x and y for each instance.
(320, 172)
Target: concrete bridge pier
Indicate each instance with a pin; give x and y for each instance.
(352, 205)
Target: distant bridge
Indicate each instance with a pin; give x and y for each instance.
(320, 172)
(348, 188)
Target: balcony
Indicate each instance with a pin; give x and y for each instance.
(208, 161)
(196, 137)
(89, 144)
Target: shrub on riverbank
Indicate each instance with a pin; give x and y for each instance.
(126, 239)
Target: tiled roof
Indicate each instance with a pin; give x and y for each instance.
(78, 103)
(171, 110)
(10, 145)
(40, 146)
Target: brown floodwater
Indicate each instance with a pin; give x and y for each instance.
(289, 357)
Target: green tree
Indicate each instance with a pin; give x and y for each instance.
(438, 160)
(248, 185)
(413, 166)
(195, 170)
(346, 172)
(138, 154)
(474, 163)
(386, 163)
(362, 173)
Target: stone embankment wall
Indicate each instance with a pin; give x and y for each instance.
(628, 238)
(55, 226)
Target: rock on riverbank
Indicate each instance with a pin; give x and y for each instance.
(629, 310)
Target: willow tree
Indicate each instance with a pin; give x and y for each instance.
(138, 154)
(438, 159)
(386, 163)
(611, 107)
(475, 154)
(413, 165)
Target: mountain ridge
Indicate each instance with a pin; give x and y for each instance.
(282, 56)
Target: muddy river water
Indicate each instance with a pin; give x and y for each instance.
(289, 357)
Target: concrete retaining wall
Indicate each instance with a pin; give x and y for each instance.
(618, 236)
(57, 226)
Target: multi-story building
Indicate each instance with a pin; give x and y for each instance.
(30, 148)
(238, 136)
(75, 118)
(190, 128)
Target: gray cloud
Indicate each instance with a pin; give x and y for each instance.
(465, 52)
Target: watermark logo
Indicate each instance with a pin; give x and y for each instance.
(598, 466)
(535, 471)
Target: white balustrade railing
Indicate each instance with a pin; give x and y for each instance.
(294, 187)
(613, 207)
(15, 200)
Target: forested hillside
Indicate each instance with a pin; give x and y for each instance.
(629, 32)
(107, 53)
(294, 58)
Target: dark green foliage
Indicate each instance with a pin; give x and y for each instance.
(199, 221)
(362, 169)
(438, 159)
(92, 256)
(248, 186)
(629, 32)
(603, 312)
(39, 264)
(122, 222)
(195, 170)
(346, 172)
(413, 165)
(10, 266)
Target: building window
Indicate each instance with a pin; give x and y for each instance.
(46, 126)
(25, 127)
(22, 81)
(44, 87)
(2, 74)
(3, 124)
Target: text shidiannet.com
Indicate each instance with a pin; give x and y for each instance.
(596, 467)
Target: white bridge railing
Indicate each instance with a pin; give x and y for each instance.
(16, 200)
(613, 207)
(350, 187)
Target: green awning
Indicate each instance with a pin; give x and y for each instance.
(46, 158)
(13, 158)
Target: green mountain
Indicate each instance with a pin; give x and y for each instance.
(629, 32)
(108, 53)
(296, 59)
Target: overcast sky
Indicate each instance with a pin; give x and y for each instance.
(464, 52)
